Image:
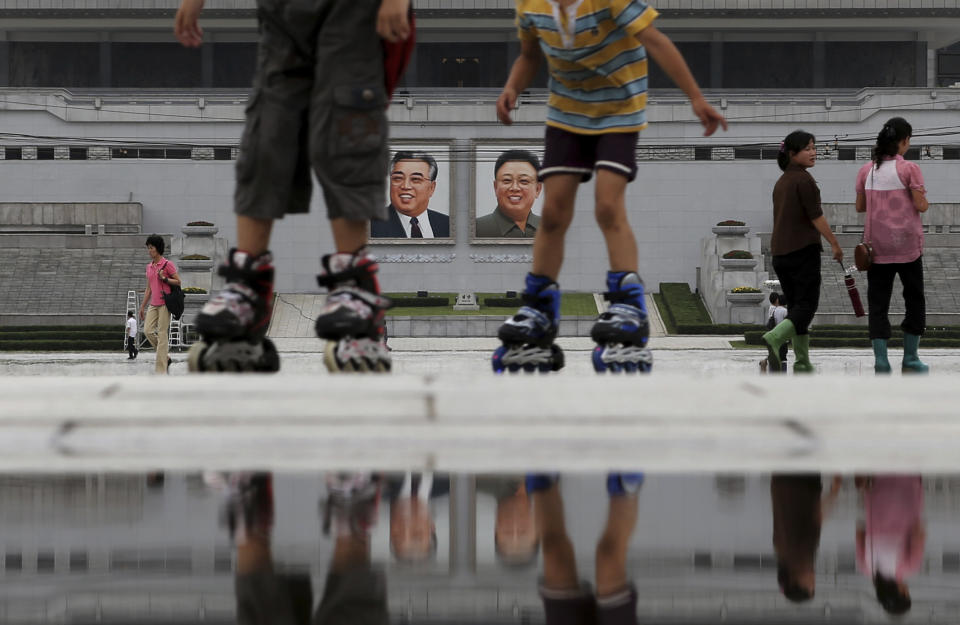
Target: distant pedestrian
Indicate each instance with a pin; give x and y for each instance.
(891, 192)
(776, 313)
(798, 224)
(161, 273)
(132, 336)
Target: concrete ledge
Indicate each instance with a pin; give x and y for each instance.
(511, 423)
(471, 325)
(62, 319)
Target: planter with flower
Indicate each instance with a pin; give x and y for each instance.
(741, 260)
(745, 295)
(730, 228)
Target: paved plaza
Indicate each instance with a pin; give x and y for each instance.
(693, 355)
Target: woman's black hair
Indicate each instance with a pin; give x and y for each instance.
(888, 141)
(891, 598)
(156, 241)
(794, 142)
(774, 297)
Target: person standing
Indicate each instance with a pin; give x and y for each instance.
(161, 275)
(132, 350)
(798, 224)
(890, 190)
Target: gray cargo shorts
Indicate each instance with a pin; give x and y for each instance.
(319, 103)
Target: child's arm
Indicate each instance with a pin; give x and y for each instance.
(185, 26)
(521, 75)
(662, 50)
(392, 22)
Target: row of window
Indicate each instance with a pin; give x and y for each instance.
(46, 153)
(785, 65)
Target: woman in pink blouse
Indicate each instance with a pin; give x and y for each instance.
(890, 191)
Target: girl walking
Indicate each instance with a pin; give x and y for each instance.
(798, 224)
(891, 192)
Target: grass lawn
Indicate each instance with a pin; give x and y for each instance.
(571, 304)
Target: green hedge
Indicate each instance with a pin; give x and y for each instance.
(60, 346)
(110, 328)
(49, 335)
(682, 306)
(717, 328)
(502, 302)
(419, 302)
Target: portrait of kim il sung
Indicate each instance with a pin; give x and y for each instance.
(513, 212)
(419, 199)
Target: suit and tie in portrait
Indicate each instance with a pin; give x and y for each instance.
(413, 181)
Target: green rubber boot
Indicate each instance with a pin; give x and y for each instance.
(880, 363)
(912, 362)
(783, 332)
(801, 349)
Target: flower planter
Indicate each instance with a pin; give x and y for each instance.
(738, 263)
(730, 231)
(195, 298)
(199, 231)
(194, 265)
(745, 298)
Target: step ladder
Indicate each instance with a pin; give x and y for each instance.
(175, 336)
(133, 305)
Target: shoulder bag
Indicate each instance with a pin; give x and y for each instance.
(863, 252)
(174, 299)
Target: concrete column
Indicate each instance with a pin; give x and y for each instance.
(106, 66)
(716, 62)
(920, 76)
(463, 526)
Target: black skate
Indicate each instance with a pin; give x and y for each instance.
(247, 507)
(528, 336)
(621, 333)
(233, 324)
(351, 504)
(352, 320)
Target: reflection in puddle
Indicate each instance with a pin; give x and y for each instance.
(440, 548)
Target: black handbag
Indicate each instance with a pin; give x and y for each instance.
(174, 299)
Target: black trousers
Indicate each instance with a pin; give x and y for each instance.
(132, 347)
(880, 288)
(799, 274)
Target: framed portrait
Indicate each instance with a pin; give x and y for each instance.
(507, 198)
(419, 185)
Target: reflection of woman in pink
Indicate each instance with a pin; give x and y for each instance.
(891, 542)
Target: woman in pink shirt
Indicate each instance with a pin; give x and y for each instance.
(890, 191)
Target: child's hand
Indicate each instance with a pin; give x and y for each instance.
(708, 116)
(392, 22)
(506, 103)
(837, 252)
(185, 26)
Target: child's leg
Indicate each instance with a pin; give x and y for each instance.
(559, 561)
(348, 236)
(611, 214)
(612, 546)
(253, 234)
(560, 190)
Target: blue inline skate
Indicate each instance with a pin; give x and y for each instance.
(622, 331)
(528, 336)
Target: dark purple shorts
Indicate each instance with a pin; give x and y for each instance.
(581, 607)
(570, 153)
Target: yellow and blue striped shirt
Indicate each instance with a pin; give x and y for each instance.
(598, 69)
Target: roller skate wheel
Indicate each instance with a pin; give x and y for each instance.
(195, 356)
(271, 358)
(598, 365)
(557, 358)
(497, 359)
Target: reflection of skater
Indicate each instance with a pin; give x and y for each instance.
(798, 224)
(354, 592)
(161, 273)
(566, 600)
(891, 192)
(598, 66)
(334, 128)
(891, 541)
(798, 513)
(132, 350)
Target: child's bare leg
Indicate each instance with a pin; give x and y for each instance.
(350, 551)
(253, 234)
(611, 213)
(559, 561)
(559, 193)
(613, 544)
(349, 236)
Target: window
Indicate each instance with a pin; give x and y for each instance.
(913, 154)
(13, 154)
(221, 154)
(151, 153)
(54, 64)
(949, 154)
(45, 153)
(702, 154)
(859, 64)
(179, 153)
(746, 153)
(78, 154)
(784, 65)
(124, 153)
(154, 65)
(847, 154)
